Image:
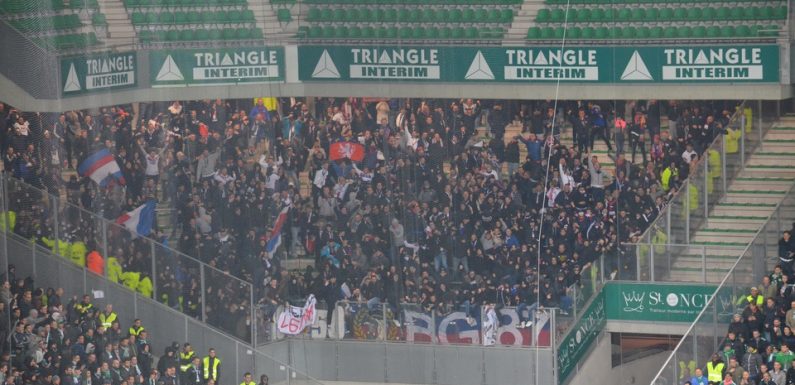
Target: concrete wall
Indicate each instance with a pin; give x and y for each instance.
(597, 367)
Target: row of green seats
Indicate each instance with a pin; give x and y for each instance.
(607, 2)
(538, 33)
(38, 6)
(200, 35)
(37, 24)
(193, 17)
(182, 3)
(403, 2)
(405, 15)
(609, 15)
(70, 41)
(416, 33)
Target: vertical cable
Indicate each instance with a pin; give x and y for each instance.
(544, 199)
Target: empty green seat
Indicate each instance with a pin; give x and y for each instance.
(680, 13)
(615, 32)
(727, 31)
(642, 33)
(547, 33)
(186, 35)
(670, 32)
(180, 18)
(588, 33)
(713, 31)
(315, 32)
(708, 13)
(557, 16)
(418, 33)
(629, 33)
(601, 33)
(700, 32)
(368, 32)
(445, 33)
(506, 16)
(694, 14)
(638, 14)
(314, 14)
(534, 33)
(736, 13)
(656, 32)
(243, 33)
(582, 16)
(202, 34)
(138, 18)
(666, 14)
(574, 33)
(215, 34)
(355, 32)
(780, 13)
(543, 16)
(742, 31)
(172, 35)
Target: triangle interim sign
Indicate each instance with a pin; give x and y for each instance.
(325, 67)
(479, 69)
(72, 81)
(169, 71)
(636, 69)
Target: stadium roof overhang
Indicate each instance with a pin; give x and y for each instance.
(17, 96)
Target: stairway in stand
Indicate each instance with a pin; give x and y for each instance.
(751, 197)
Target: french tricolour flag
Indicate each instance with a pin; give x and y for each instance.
(275, 238)
(101, 168)
(140, 220)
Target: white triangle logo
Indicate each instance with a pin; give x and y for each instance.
(72, 82)
(325, 68)
(479, 69)
(636, 69)
(169, 71)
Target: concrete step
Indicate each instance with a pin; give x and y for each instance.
(777, 161)
(779, 185)
(740, 209)
(746, 199)
(712, 277)
(729, 223)
(780, 135)
(771, 170)
(733, 236)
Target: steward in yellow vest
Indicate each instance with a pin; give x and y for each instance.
(715, 370)
(107, 317)
(212, 366)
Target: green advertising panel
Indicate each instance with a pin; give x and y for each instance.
(574, 346)
(628, 301)
(216, 66)
(99, 72)
(541, 64)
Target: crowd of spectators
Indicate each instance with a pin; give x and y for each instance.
(50, 339)
(443, 211)
(759, 346)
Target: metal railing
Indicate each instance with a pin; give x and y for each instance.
(164, 325)
(183, 283)
(707, 183)
(710, 327)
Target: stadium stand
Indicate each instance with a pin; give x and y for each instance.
(55, 24)
(182, 21)
(601, 20)
(441, 217)
(384, 19)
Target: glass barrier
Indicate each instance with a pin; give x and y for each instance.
(63, 225)
(712, 329)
